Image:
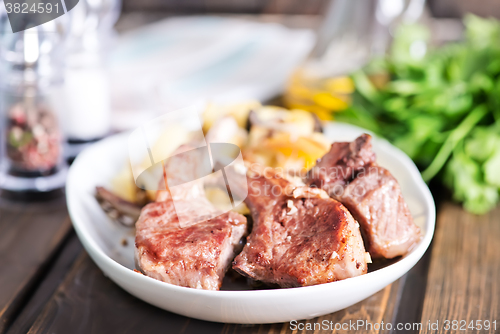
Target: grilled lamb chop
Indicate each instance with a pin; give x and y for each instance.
(300, 236)
(193, 253)
(349, 174)
(340, 165)
(375, 200)
(195, 256)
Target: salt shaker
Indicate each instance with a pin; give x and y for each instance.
(88, 116)
(31, 139)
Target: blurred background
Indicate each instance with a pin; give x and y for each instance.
(425, 75)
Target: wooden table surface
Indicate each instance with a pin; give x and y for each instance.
(48, 283)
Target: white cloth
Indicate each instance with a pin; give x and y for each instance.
(180, 61)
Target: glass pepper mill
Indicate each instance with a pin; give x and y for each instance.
(31, 156)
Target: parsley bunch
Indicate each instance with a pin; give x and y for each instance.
(440, 106)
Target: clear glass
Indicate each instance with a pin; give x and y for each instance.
(353, 31)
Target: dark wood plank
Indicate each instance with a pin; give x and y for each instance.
(133, 20)
(88, 302)
(410, 305)
(375, 309)
(287, 7)
(464, 273)
(29, 237)
(57, 272)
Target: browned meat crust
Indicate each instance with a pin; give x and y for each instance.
(299, 237)
(341, 164)
(348, 172)
(375, 200)
(195, 256)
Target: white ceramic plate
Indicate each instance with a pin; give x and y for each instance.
(102, 238)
